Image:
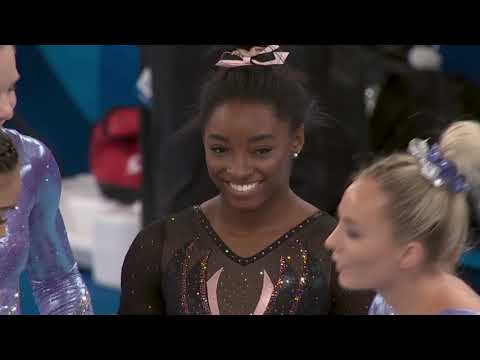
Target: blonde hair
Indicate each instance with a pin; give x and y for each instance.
(419, 211)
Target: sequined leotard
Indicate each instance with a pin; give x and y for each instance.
(181, 266)
(381, 307)
(36, 239)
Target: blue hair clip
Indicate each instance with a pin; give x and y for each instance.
(436, 168)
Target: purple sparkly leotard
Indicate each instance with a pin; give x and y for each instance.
(380, 307)
(37, 242)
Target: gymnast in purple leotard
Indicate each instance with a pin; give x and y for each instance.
(34, 238)
(404, 224)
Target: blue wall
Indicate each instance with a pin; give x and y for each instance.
(462, 60)
(66, 89)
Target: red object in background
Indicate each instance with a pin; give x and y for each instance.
(115, 155)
